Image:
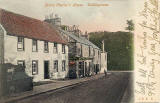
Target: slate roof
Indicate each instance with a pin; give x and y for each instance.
(80, 39)
(24, 26)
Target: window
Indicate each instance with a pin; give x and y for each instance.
(98, 53)
(21, 62)
(63, 65)
(94, 52)
(63, 49)
(34, 67)
(56, 65)
(89, 68)
(89, 51)
(46, 49)
(34, 46)
(55, 48)
(81, 50)
(20, 44)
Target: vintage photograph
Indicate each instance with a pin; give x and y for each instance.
(67, 51)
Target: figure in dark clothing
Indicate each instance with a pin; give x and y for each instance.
(105, 73)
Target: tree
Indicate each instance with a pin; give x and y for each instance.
(130, 26)
(119, 47)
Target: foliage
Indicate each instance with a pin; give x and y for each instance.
(63, 27)
(79, 58)
(118, 45)
(130, 26)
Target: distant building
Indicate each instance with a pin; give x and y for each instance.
(53, 20)
(103, 59)
(34, 44)
(84, 56)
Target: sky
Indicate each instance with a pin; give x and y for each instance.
(96, 18)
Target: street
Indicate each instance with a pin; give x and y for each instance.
(109, 89)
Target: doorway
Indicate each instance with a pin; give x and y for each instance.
(85, 71)
(46, 69)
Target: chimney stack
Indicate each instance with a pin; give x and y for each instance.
(56, 21)
(86, 35)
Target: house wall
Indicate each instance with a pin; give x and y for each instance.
(12, 56)
(72, 49)
(91, 51)
(85, 54)
(79, 49)
(103, 62)
(85, 51)
(97, 58)
(75, 50)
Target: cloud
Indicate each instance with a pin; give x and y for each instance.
(109, 18)
(31, 8)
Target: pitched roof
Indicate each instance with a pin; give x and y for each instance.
(20, 25)
(80, 39)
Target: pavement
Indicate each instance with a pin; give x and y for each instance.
(48, 88)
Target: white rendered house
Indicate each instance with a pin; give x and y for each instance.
(103, 59)
(34, 44)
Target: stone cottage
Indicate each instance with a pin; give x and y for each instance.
(84, 56)
(34, 44)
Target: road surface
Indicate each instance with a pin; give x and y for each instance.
(110, 89)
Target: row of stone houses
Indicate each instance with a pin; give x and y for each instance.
(45, 50)
(85, 58)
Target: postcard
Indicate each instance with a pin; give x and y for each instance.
(79, 51)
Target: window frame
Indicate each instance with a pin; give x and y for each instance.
(23, 61)
(81, 50)
(63, 49)
(20, 43)
(46, 50)
(55, 48)
(36, 70)
(56, 69)
(89, 50)
(94, 52)
(35, 45)
(63, 65)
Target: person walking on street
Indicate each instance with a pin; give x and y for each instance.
(105, 73)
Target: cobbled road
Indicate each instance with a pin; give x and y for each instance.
(109, 89)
